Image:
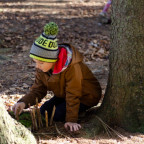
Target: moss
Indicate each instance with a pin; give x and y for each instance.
(26, 123)
(24, 118)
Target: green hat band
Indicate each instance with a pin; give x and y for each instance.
(42, 59)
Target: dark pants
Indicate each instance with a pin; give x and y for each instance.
(60, 112)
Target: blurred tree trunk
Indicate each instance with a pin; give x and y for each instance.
(123, 104)
(12, 132)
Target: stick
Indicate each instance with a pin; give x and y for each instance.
(117, 133)
(59, 131)
(45, 133)
(46, 118)
(40, 124)
(34, 118)
(53, 112)
(37, 103)
(33, 127)
(31, 118)
(38, 114)
(31, 115)
(40, 118)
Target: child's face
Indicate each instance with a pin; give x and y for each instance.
(44, 66)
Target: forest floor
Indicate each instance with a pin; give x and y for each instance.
(21, 22)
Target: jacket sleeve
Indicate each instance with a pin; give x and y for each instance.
(38, 90)
(73, 92)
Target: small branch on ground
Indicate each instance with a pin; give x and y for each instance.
(53, 112)
(46, 118)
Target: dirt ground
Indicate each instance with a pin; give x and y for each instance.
(21, 22)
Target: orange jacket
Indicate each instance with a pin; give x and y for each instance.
(76, 84)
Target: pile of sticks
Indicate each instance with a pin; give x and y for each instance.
(37, 118)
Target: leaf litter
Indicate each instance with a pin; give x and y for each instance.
(22, 22)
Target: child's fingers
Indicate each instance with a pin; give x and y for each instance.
(66, 126)
(76, 128)
(79, 126)
(72, 126)
(20, 110)
(16, 108)
(13, 107)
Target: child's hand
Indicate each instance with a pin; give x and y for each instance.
(72, 126)
(20, 106)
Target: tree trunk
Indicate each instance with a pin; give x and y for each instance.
(12, 132)
(123, 103)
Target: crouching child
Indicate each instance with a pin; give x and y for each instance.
(60, 68)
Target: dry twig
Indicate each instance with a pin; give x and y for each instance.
(31, 117)
(108, 128)
(53, 112)
(58, 131)
(46, 118)
(40, 124)
(34, 118)
(39, 118)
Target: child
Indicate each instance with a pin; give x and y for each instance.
(106, 7)
(103, 16)
(59, 68)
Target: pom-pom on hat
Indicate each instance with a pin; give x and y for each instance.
(45, 47)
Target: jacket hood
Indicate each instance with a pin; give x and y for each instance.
(76, 55)
(67, 55)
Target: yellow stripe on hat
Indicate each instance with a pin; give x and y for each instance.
(42, 59)
(47, 43)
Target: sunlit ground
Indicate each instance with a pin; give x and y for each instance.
(19, 73)
(50, 7)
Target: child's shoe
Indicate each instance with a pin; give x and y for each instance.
(103, 14)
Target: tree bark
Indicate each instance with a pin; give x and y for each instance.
(123, 104)
(12, 132)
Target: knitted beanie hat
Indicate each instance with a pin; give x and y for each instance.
(45, 47)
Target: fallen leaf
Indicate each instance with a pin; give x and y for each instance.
(25, 48)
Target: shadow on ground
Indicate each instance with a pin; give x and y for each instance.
(22, 22)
